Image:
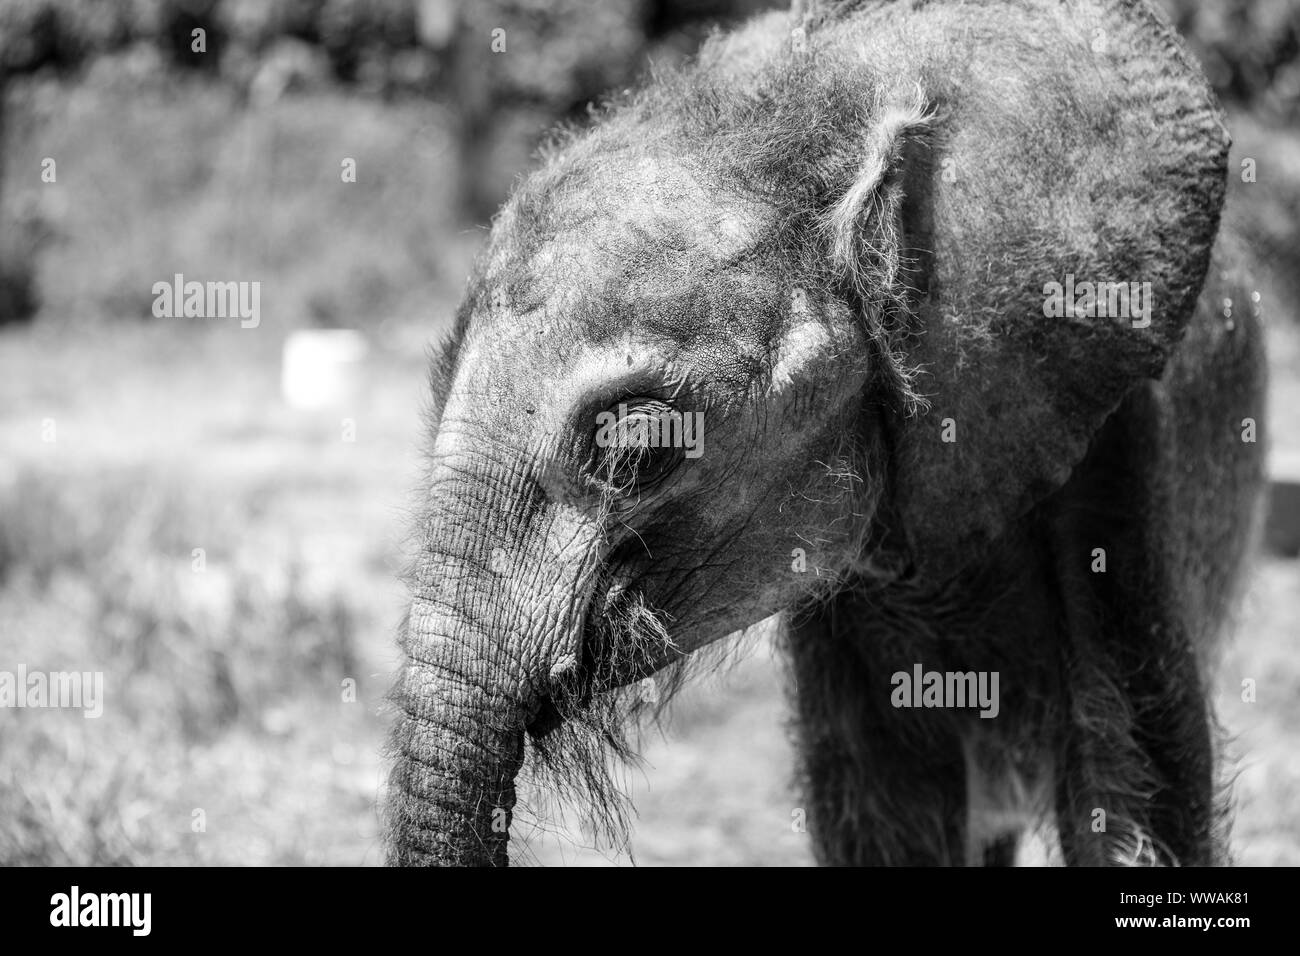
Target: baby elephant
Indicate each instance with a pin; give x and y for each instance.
(912, 324)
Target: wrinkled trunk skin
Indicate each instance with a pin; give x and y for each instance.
(499, 596)
(459, 740)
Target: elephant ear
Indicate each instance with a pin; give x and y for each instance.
(1030, 169)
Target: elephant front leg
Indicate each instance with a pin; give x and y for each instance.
(1136, 776)
(883, 786)
(1137, 780)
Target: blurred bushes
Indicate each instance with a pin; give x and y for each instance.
(158, 176)
(1250, 49)
(156, 183)
(563, 51)
(566, 49)
(18, 296)
(505, 71)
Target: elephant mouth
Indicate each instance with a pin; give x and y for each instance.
(571, 692)
(546, 721)
(622, 642)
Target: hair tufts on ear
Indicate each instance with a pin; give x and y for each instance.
(864, 236)
(863, 226)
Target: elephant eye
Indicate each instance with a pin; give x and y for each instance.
(636, 446)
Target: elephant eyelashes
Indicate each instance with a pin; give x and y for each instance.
(634, 446)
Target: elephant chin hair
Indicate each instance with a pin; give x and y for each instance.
(583, 764)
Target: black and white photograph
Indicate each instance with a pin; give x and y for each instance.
(656, 433)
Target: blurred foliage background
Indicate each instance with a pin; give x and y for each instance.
(443, 84)
(227, 688)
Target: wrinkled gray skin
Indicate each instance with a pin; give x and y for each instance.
(830, 296)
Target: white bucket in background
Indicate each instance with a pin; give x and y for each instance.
(321, 368)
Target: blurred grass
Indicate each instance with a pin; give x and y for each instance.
(224, 681)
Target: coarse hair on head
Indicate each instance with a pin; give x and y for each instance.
(817, 136)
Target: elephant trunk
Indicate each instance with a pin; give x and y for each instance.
(488, 630)
(458, 744)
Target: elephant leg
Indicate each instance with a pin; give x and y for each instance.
(884, 786)
(1137, 785)
(1135, 778)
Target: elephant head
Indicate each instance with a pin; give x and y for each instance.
(842, 274)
